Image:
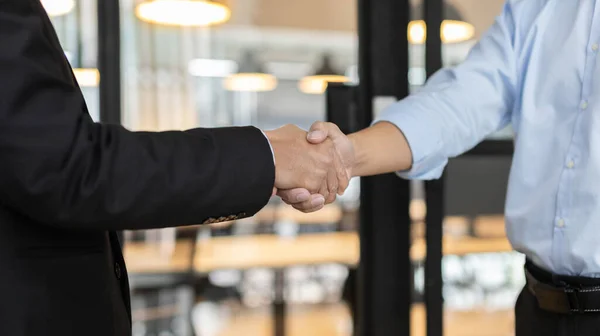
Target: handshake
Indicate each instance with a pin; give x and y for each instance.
(312, 168)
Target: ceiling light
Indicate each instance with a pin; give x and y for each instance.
(204, 67)
(317, 83)
(250, 77)
(182, 12)
(253, 82)
(453, 30)
(58, 7)
(87, 77)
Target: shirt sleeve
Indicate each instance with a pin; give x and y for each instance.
(270, 146)
(459, 107)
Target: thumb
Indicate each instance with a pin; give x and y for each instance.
(320, 131)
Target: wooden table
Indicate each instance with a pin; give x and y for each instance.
(338, 247)
(244, 252)
(278, 253)
(271, 251)
(145, 258)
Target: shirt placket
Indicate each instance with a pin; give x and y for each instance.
(563, 202)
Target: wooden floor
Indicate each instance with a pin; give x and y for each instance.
(333, 320)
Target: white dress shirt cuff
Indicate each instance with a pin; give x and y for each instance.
(270, 146)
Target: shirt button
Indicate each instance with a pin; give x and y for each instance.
(583, 105)
(560, 223)
(570, 164)
(118, 271)
(595, 46)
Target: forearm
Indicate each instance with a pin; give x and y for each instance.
(379, 149)
(111, 178)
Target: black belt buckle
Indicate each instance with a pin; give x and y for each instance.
(573, 299)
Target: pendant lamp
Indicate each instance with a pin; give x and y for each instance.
(58, 7)
(186, 13)
(453, 30)
(317, 83)
(250, 76)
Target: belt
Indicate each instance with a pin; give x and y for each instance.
(566, 298)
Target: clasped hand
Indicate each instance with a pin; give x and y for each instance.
(312, 168)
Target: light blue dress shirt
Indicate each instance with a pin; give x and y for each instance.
(535, 68)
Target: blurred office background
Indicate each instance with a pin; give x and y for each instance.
(263, 62)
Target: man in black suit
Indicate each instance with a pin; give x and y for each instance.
(67, 183)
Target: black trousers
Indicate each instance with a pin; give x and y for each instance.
(530, 320)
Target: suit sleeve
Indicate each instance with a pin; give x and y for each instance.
(60, 168)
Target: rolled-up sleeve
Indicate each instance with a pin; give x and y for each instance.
(458, 107)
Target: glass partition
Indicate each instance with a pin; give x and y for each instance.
(266, 63)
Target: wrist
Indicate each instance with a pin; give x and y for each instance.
(359, 155)
(381, 148)
(268, 138)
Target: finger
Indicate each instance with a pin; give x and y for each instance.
(324, 190)
(341, 174)
(320, 130)
(332, 186)
(274, 192)
(293, 196)
(316, 202)
(307, 210)
(317, 133)
(343, 185)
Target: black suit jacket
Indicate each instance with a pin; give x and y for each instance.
(66, 183)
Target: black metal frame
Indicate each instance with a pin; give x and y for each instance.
(492, 148)
(109, 64)
(279, 306)
(109, 60)
(434, 190)
(385, 274)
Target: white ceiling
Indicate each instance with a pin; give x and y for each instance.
(338, 15)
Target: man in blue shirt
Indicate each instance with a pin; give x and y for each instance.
(535, 69)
